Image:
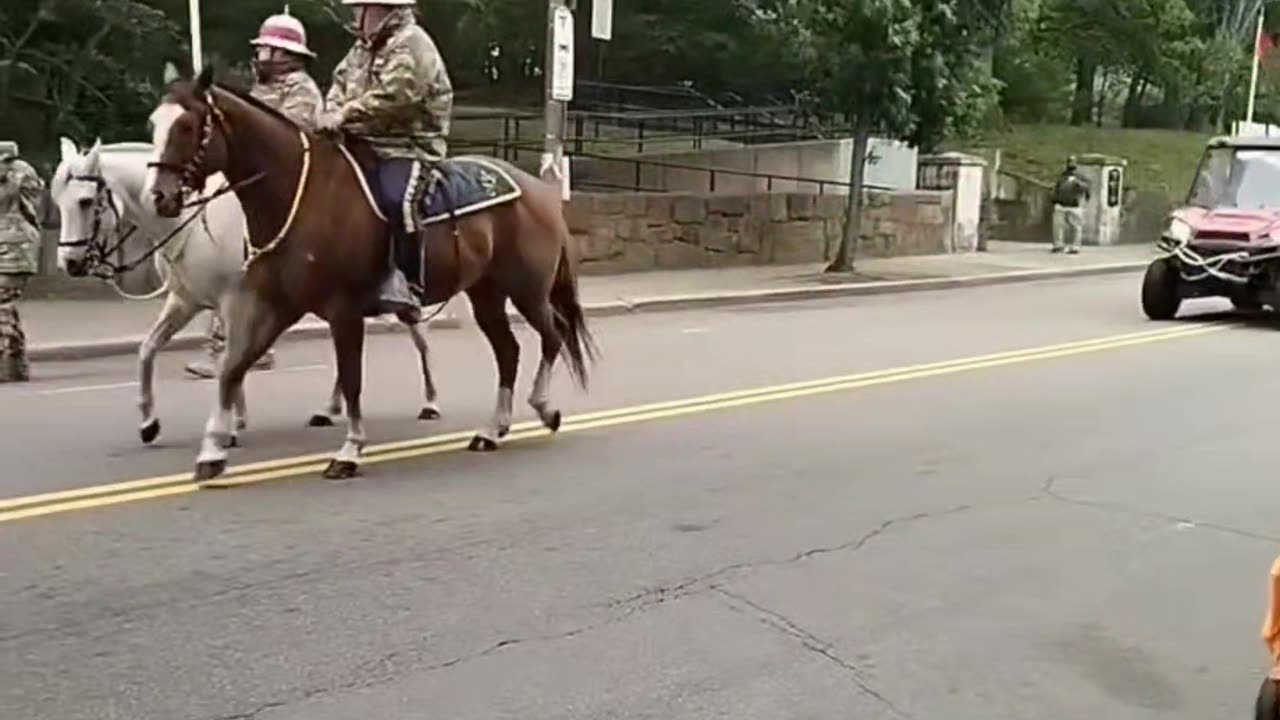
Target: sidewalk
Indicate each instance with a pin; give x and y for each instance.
(70, 329)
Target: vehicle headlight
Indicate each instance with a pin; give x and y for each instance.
(1178, 230)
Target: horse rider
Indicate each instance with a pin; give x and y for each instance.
(392, 89)
(21, 195)
(281, 80)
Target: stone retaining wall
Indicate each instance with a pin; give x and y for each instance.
(628, 232)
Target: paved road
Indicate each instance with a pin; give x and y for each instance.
(1064, 534)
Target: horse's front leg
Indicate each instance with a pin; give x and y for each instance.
(254, 325)
(347, 327)
(430, 409)
(175, 315)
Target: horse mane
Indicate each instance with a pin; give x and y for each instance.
(244, 96)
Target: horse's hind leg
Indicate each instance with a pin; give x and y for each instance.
(539, 315)
(489, 305)
(325, 415)
(175, 315)
(347, 326)
(253, 327)
(430, 409)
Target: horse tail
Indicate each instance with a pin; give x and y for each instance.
(570, 321)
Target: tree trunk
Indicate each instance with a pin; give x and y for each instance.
(848, 248)
(1131, 114)
(1082, 103)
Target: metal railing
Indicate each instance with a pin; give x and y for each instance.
(745, 126)
(713, 175)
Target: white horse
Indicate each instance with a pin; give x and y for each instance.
(200, 255)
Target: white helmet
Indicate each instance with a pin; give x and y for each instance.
(283, 31)
(379, 2)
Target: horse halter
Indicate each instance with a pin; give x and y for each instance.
(96, 247)
(193, 170)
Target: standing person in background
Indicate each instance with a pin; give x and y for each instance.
(281, 81)
(21, 192)
(1069, 195)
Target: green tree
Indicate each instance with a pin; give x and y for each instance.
(908, 70)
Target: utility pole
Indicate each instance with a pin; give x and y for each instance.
(197, 49)
(1257, 60)
(559, 90)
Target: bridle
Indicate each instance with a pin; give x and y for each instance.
(193, 170)
(98, 250)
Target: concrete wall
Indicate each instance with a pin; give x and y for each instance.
(646, 231)
(1022, 211)
(891, 164)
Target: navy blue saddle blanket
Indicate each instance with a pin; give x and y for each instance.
(412, 195)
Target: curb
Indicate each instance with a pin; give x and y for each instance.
(314, 329)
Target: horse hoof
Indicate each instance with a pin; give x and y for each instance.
(319, 420)
(553, 421)
(429, 413)
(210, 469)
(479, 443)
(341, 470)
(150, 431)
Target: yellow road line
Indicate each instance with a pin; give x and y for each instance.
(254, 473)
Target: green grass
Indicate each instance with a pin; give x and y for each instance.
(1158, 160)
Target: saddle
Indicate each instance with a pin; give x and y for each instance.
(412, 195)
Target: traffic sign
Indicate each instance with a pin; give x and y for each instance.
(562, 67)
(602, 19)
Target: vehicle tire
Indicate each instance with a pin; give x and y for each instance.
(1160, 298)
(1246, 302)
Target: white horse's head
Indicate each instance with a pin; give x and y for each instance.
(160, 122)
(89, 211)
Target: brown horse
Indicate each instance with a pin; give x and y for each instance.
(320, 247)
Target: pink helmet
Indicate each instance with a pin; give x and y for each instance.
(284, 31)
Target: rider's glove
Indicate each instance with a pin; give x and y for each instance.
(329, 121)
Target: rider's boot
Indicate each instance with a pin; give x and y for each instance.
(395, 297)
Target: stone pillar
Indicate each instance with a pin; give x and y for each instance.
(964, 176)
(1102, 211)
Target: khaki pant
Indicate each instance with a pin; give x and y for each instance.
(1068, 226)
(13, 342)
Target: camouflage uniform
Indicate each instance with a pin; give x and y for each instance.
(292, 91)
(21, 190)
(392, 89)
(1069, 194)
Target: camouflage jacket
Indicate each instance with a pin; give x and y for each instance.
(395, 91)
(295, 94)
(21, 190)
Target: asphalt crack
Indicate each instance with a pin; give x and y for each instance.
(809, 641)
(400, 662)
(384, 669)
(1049, 490)
(702, 583)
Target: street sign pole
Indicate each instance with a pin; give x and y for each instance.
(197, 51)
(559, 91)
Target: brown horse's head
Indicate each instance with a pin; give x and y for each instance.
(189, 135)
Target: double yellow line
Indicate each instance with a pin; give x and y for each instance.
(179, 484)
